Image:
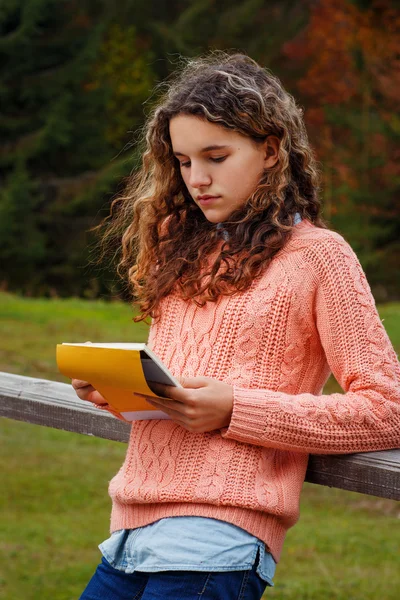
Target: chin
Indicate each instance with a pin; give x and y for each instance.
(215, 217)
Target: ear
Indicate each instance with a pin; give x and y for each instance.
(271, 146)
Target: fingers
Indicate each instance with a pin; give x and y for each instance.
(193, 382)
(79, 383)
(167, 391)
(95, 397)
(185, 416)
(176, 410)
(180, 394)
(85, 391)
(169, 404)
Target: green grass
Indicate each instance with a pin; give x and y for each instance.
(54, 503)
(31, 328)
(55, 509)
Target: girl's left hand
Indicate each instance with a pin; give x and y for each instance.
(202, 404)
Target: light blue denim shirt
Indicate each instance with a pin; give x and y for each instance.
(187, 544)
(199, 543)
(297, 218)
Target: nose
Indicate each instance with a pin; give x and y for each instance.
(199, 177)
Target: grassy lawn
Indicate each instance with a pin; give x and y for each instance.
(54, 503)
(31, 328)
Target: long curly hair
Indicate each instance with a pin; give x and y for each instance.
(167, 243)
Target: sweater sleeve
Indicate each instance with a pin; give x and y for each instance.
(366, 417)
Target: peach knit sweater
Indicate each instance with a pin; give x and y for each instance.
(310, 313)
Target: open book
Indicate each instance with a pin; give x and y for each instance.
(118, 371)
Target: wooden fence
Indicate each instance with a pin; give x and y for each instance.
(55, 405)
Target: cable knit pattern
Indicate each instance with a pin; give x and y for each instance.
(310, 313)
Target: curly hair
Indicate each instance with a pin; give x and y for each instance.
(167, 243)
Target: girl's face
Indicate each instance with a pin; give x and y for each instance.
(220, 168)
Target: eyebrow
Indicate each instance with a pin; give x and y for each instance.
(206, 149)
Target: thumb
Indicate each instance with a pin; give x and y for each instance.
(96, 398)
(193, 382)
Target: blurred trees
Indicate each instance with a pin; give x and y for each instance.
(67, 73)
(74, 84)
(350, 81)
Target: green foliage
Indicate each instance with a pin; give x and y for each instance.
(123, 69)
(72, 89)
(75, 87)
(22, 244)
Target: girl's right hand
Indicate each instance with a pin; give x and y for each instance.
(85, 391)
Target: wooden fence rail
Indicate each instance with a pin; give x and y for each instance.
(55, 405)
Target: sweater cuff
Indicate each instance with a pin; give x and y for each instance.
(248, 421)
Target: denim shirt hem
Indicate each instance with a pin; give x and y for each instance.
(122, 565)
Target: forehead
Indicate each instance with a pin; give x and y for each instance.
(191, 134)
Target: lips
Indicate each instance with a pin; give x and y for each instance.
(206, 199)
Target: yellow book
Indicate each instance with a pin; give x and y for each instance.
(119, 372)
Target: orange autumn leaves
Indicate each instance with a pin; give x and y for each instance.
(350, 82)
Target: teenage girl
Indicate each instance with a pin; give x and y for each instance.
(253, 303)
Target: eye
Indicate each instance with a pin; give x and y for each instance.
(216, 159)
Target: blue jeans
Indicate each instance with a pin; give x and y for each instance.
(110, 584)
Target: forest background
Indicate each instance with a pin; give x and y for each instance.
(76, 85)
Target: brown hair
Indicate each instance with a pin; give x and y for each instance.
(166, 239)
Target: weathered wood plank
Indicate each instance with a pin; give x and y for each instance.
(373, 473)
(56, 405)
